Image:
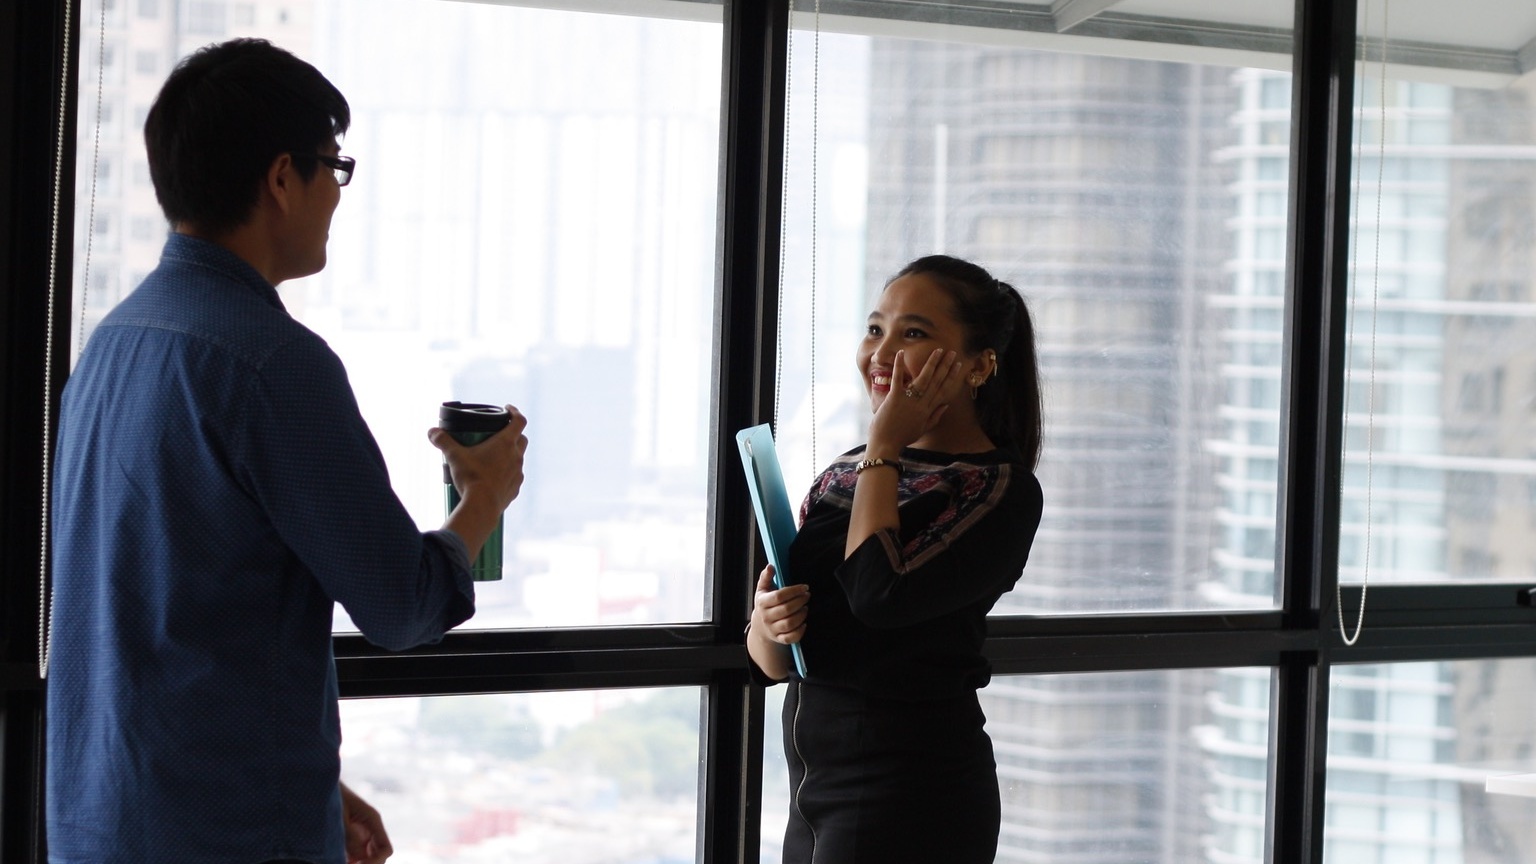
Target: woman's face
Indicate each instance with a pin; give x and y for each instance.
(914, 316)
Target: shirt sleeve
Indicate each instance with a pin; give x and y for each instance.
(939, 570)
(315, 469)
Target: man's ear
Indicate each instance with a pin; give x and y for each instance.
(280, 182)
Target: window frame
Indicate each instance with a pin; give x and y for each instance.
(1299, 640)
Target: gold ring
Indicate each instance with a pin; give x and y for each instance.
(914, 392)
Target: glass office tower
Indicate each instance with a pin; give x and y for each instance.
(1436, 481)
(1092, 184)
(1142, 209)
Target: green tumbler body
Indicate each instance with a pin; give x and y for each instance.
(470, 423)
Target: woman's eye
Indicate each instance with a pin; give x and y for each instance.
(872, 330)
(914, 333)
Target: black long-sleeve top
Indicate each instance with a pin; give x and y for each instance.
(904, 617)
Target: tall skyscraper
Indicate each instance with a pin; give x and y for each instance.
(1142, 208)
(1438, 456)
(1091, 184)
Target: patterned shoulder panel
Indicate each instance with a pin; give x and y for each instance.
(834, 484)
(969, 491)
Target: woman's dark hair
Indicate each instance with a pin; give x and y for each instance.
(222, 116)
(995, 317)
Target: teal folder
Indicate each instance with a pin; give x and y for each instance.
(775, 518)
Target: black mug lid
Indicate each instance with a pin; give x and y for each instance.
(472, 417)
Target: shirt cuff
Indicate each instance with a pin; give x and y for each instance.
(461, 607)
(453, 544)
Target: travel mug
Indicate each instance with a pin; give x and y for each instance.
(469, 424)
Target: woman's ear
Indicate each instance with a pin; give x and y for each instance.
(982, 368)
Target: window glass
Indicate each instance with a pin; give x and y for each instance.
(609, 775)
(1441, 438)
(1130, 767)
(532, 222)
(1431, 763)
(1133, 202)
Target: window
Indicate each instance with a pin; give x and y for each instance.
(612, 773)
(594, 131)
(1172, 657)
(1076, 199)
(1101, 766)
(437, 291)
(1412, 748)
(1465, 231)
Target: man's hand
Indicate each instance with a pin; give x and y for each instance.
(492, 468)
(488, 476)
(366, 841)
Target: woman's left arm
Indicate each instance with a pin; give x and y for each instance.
(977, 553)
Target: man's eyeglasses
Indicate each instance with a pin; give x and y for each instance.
(343, 166)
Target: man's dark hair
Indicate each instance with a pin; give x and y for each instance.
(222, 116)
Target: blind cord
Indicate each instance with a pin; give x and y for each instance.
(789, 77)
(44, 601)
(784, 215)
(815, 197)
(1370, 438)
(45, 588)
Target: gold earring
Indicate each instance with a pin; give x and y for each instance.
(992, 355)
(975, 381)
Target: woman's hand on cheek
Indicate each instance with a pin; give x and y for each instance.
(914, 405)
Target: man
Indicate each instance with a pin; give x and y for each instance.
(216, 491)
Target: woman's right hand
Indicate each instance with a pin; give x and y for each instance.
(914, 405)
(778, 614)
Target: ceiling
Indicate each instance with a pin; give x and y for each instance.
(1503, 25)
(1487, 43)
(1480, 43)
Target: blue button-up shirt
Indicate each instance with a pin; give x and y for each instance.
(215, 491)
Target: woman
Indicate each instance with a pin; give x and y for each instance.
(905, 544)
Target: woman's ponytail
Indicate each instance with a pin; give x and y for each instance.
(1020, 378)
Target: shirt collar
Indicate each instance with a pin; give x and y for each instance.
(186, 249)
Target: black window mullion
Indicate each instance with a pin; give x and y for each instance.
(1300, 752)
(34, 83)
(1322, 107)
(747, 280)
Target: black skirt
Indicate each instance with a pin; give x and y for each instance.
(880, 780)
